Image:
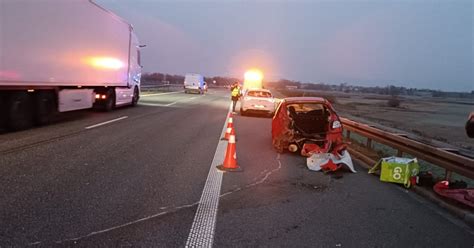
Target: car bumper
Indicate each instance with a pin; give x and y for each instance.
(258, 107)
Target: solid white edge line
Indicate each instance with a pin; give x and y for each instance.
(106, 122)
(203, 227)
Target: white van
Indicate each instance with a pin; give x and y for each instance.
(194, 83)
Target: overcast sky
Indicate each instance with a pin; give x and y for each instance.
(413, 43)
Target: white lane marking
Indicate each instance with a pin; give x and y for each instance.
(159, 94)
(170, 104)
(153, 104)
(107, 122)
(182, 100)
(165, 105)
(204, 223)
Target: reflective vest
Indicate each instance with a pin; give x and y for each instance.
(236, 91)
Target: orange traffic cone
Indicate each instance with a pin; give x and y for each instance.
(227, 134)
(230, 127)
(230, 160)
(230, 122)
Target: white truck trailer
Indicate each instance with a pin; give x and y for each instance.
(58, 56)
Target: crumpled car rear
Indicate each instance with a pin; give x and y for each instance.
(311, 126)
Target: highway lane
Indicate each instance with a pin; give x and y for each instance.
(137, 181)
(70, 123)
(153, 162)
(278, 202)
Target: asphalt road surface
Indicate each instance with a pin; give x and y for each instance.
(134, 177)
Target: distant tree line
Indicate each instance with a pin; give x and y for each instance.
(283, 83)
(221, 81)
(162, 78)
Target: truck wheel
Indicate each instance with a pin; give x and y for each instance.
(109, 104)
(136, 97)
(19, 111)
(45, 107)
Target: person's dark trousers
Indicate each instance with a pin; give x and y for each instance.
(234, 103)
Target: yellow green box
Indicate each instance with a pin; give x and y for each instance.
(397, 170)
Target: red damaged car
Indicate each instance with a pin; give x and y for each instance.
(310, 125)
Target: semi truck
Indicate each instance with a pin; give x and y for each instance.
(58, 56)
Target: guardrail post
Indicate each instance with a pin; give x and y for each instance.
(399, 153)
(348, 134)
(369, 143)
(447, 175)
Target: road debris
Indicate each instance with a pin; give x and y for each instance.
(461, 195)
(397, 170)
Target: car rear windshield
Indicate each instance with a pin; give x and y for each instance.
(306, 107)
(259, 94)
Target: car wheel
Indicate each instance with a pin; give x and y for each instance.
(242, 112)
(277, 146)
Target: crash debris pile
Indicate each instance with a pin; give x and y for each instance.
(311, 125)
(318, 159)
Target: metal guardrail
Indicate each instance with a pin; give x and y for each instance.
(451, 162)
(160, 87)
(151, 86)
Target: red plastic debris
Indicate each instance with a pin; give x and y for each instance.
(330, 166)
(309, 149)
(465, 196)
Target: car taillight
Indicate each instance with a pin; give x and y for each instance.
(336, 124)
